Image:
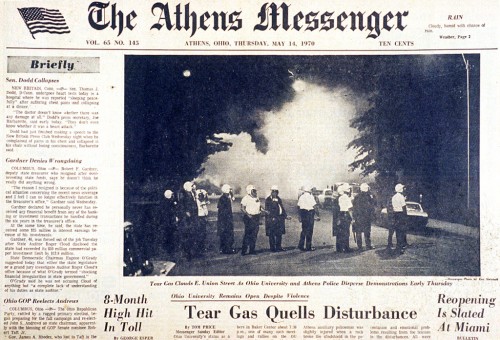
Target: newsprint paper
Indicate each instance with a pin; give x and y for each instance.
(249, 170)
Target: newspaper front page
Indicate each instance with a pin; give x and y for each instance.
(249, 170)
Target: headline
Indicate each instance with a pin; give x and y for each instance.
(276, 314)
(271, 16)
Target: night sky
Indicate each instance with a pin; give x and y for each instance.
(179, 108)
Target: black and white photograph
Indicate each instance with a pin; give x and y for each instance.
(295, 165)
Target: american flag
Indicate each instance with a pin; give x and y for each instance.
(40, 20)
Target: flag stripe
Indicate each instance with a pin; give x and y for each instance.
(42, 24)
(54, 29)
(50, 31)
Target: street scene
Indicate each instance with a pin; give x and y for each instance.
(302, 165)
(439, 249)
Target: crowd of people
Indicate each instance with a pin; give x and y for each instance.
(186, 221)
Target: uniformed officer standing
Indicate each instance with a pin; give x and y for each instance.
(251, 208)
(308, 208)
(225, 227)
(132, 253)
(170, 219)
(202, 203)
(399, 208)
(345, 218)
(275, 219)
(363, 211)
(335, 217)
(188, 216)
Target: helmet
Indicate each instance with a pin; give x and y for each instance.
(344, 188)
(364, 187)
(188, 186)
(249, 189)
(127, 225)
(399, 187)
(168, 194)
(306, 188)
(226, 188)
(274, 188)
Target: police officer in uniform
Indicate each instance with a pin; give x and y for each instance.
(251, 208)
(335, 217)
(188, 216)
(275, 219)
(308, 208)
(132, 253)
(345, 219)
(202, 203)
(363, 211)
(170, 219)
(225, 227)
(399, 209)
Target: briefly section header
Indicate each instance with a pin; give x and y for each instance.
(52, 65)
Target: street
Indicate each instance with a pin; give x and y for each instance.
(442, 249)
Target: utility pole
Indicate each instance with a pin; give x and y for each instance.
(467, 68)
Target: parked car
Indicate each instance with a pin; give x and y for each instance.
(326, 198)
(416, 216)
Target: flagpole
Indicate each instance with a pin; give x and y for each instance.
(467, 68)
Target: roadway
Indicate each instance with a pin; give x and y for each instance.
(441, 249)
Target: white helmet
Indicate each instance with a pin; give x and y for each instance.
(399, 187)
(274, 188)
(168, 194)
(127, 225)
(364, 187)
(226, 188)
(249, 189)
(343, 188)
(188, 186)
(306, 188)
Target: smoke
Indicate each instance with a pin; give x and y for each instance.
(306, 144)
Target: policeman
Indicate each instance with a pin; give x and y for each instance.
(202, 203)
(308, 208)
(251, 208)
(188, 216)
(363, 212)
(335, 216)
(275, 219)
(345, 218)
(399, 208)
(132, 253)
(225, 227)
(170, 219)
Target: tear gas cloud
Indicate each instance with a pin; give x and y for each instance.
(306, 144)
